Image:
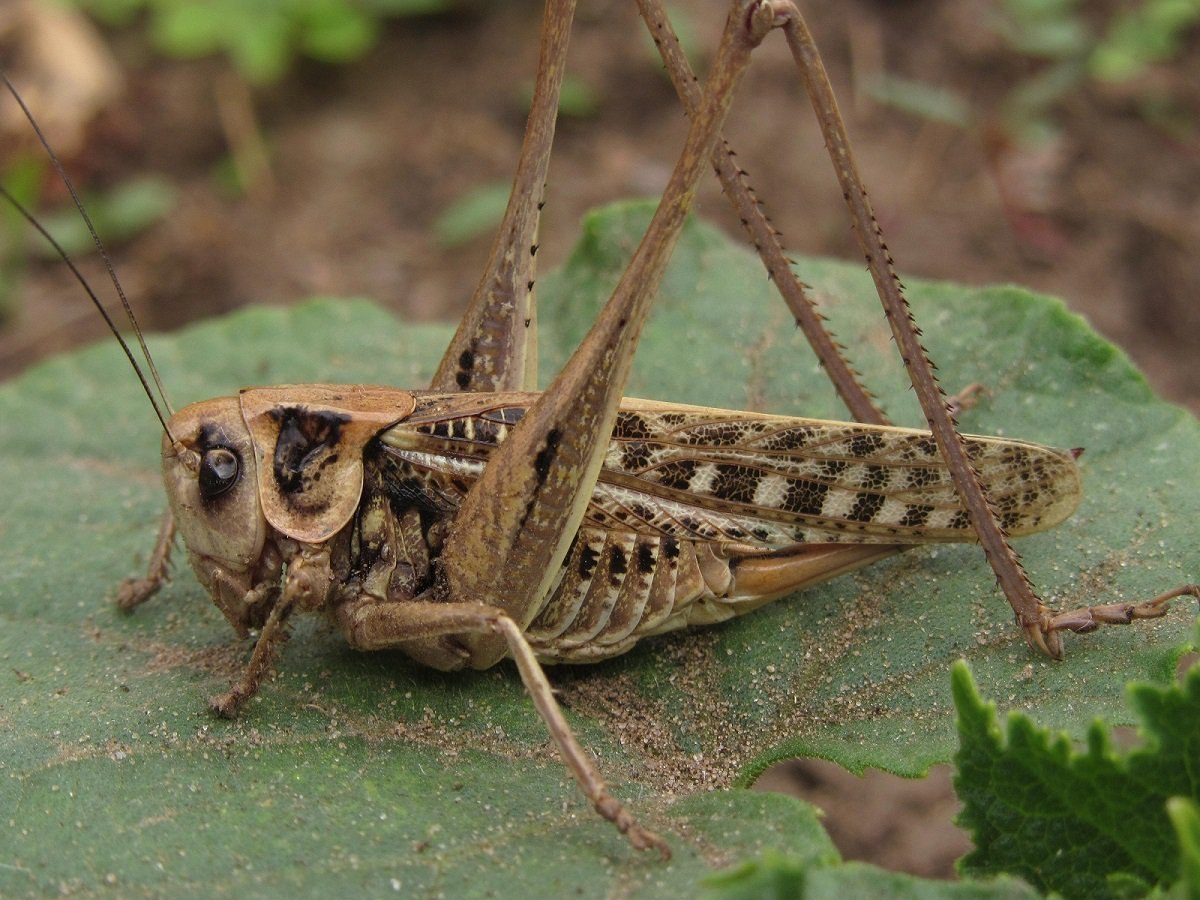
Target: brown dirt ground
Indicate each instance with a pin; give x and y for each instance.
(364, 157)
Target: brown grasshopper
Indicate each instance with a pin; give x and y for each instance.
(479, 520)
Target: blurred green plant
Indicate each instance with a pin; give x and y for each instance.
(262, 38)
(22, 178)
(473, 214)
(577, 100)
(1131, 40)
(1074, 50)
(1122, 49)
(119, 213)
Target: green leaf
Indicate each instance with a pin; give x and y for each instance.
(261, 38)
(1185, 816)
(577, 99)
(1081, 822)
(118, 214)
(195, 29)
(1136, 38)
(475, 213)
(926, 101)
(779, 876)
(353, 772)
(333, 31)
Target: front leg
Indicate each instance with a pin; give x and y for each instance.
(369, 624)
(307, 585)
(133, 592)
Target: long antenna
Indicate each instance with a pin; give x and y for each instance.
(66, 180)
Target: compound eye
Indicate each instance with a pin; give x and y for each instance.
(219, 471)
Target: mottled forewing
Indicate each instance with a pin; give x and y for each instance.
(721, 475)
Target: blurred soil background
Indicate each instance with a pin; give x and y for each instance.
(1002, 140)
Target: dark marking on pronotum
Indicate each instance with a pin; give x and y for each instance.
(303, 448)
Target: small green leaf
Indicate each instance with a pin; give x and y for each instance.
(261, 38)
(1052, 29)
(1079, 822)
(406, 7)
(113, 12)
(771, 875)
(195, 29)
(928, 101)
(577, 99)
(262, 49)
(475, 213)
(1137, 38)
(333, 31)
(118, 214)
(22, 177)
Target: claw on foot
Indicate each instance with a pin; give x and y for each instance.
(227, 705)
(641, 838)
(1044, 634)
(644, 839)
(134, 592)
